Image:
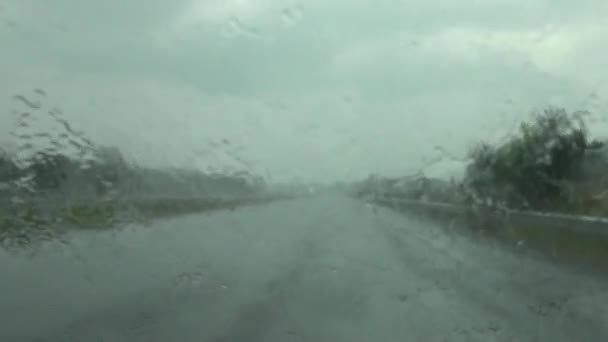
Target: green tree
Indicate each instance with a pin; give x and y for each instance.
(533, 168)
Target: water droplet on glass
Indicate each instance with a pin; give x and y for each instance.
(290, 15)
(237, 27)
(287, 15)
(29, 103)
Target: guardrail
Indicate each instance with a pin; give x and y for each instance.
(582, 240)
(542, 220)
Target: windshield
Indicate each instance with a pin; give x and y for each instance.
(283, 170)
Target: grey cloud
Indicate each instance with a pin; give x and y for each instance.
(114, 36)
(409, 80)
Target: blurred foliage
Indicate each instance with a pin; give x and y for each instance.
(50, 180)
(549, 164)
(535, 169)
(49, 193)
(59, 175)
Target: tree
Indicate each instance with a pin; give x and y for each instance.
(8, 169)
(533, 168)
(50, 170)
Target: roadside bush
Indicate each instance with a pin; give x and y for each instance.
(534, 169)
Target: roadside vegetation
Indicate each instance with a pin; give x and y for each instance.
(50, 193)
(53, 181)
(551, 165)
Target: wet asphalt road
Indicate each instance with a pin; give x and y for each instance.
(327, 268)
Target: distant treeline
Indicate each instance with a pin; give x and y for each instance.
(53, 160)
(109, 174)
(54, 178)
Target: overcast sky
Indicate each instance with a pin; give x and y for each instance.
(316, 90)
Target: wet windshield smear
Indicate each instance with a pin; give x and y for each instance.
(242, 171)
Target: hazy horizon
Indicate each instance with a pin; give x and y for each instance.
(315, 90)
